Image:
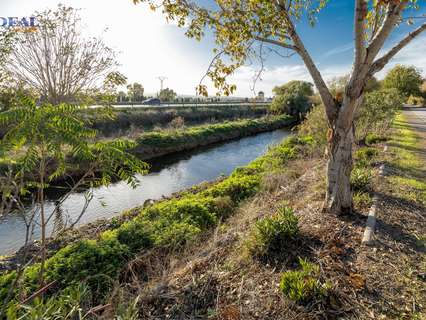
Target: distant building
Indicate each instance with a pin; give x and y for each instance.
(261, 96)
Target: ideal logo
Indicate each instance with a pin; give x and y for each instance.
(24, 22)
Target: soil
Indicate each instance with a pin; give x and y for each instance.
(219, 280)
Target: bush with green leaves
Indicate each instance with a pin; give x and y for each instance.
(315, 125)
(292, 98)
(377, 112)
(361, 179)
(38, 138)
(416, 101)
(374, 117)
(303, 285)
(363, 156)
(373, 138)
(148, 118)
(407, 80)
(272, 234)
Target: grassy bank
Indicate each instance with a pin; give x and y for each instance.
(302, 262)
(129, 121)
(164, 226)
(261, 232)
(158, 143)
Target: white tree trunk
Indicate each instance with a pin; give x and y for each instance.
(338, 194)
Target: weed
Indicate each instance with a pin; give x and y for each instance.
(362, 199)
(373, 138)
(365, 154)
(303, 285)
(270, 235)
(360, 179)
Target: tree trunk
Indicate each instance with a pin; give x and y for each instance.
(339, 195)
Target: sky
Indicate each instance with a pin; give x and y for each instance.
(149, 47)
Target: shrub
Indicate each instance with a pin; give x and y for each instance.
(416, 101)
(315, 125)
(177, 123)
(405, 79)
(363, 156)
(176, 234)
(377, 112)
(161, 139)
(360, 179)
(96, 262)
(147, 118)
(373, 138)
(303, 285)
(71, 303)
(272, 234)
(237, 187)
(292, 98)
(362, 199)
(134, 234)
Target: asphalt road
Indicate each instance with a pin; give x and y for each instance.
(417, 112)
(416, 118)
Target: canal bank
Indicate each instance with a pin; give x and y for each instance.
(169, 174)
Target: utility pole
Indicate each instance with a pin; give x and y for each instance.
(161, 78)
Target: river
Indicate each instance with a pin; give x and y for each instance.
(168, 174)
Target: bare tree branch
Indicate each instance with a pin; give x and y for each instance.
(277, 43)
(380, 63)
(56, 60)
(393, 15)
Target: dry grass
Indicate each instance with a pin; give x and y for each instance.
(220, 280)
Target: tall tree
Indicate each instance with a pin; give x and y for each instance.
(406, 79)
(56, 60)
(135, 92)
(292, 98)
(167, 95)
(239, 25)
(423, 89)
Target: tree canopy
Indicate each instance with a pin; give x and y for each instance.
(292, 98)
(167, 95)
(406, 79)
(135, 91)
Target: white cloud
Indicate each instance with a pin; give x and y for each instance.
(339, 49)
(414, 54)
(272, 77)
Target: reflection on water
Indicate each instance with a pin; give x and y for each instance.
(168, 175)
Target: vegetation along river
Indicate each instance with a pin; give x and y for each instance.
(168, 175)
